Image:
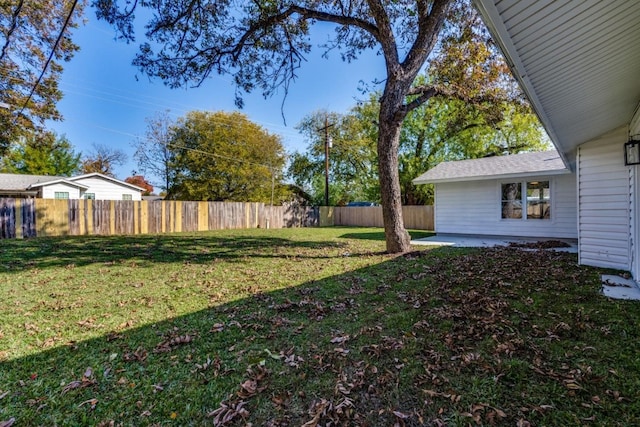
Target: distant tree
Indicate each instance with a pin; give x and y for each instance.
(152, 152)
(141, 182)
(103, 160)
(352, 159)
(29, 32)
(225, 156)
(42, 154)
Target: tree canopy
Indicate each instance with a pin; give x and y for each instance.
(262, 44)
(42, 154)
(152, 152)
(36, 39)
(103, 159)
(141, 182)
(225, 157)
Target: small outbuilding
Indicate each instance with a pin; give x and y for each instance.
(523, 195)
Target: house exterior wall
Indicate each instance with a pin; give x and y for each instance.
(107, 190)
(49, 191)
(474, 207)
(605, 202)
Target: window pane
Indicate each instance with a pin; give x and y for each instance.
(90, 196)
(538, 200)
(61, 195)
(126, 197)
(512, 200)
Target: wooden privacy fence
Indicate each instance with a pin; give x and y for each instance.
(415, 217)
(47, 217)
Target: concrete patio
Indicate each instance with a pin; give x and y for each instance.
(470, 241)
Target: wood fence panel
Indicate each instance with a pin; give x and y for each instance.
(418, 217)
(190, 216)
(154, 214)
(415, 217)
(75, 217)
(101, 216)
(28, 209)
(7, 219)
(123, 213)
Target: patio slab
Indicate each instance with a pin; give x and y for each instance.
(469, 241)
(620, 288)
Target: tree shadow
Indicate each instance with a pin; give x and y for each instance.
(361, 347)
(16, 255)
(379, 235)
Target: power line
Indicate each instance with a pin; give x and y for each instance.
(53, 50)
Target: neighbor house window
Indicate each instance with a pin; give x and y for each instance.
(512, 200)
(126, 197)
(536, 200)
(90, 196)
(61, 195)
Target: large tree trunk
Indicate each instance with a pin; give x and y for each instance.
(390, 124)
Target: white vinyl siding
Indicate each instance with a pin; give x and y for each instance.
(604, 188)
(474, 207)
(49, 191)
(108, 190)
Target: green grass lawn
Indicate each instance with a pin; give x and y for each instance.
(308, 327)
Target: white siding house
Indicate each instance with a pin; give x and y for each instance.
(469, 196)
(578, 62)
(90, 186)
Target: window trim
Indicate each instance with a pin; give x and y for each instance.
(86, 196)
(57, 194)
(127, 197)
(523, 199)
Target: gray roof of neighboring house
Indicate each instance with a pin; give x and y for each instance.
(516, 165)
(9, 181)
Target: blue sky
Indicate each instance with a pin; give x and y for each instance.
(106, 99)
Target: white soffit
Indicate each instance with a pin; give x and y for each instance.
(577, 60)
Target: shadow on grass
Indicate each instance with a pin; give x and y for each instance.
(16, 255)
(421, 338)
(379, 235)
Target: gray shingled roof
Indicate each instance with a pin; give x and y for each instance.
(525, 164)
(9, 181)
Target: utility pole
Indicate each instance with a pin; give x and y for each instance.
(327, 144)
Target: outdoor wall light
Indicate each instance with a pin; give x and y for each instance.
(632, 152)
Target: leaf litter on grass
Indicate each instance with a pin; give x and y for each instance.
(444, 337)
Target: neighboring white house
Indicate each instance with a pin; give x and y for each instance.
(530, 194)
(578, 62)
(89, 186)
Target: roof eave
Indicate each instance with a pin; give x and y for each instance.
(496, 27)
(519, 175)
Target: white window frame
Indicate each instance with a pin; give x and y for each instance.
(523, 199)
(60, 195)
(127, 197)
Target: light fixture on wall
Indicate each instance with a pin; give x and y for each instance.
(632, 152)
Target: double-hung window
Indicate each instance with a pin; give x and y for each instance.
(526, 200)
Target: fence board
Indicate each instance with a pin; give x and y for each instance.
(415, 217)
(46, 217)
(7, 219)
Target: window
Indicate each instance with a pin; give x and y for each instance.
(512, 200)
(536, 199)
(126, 197)
(90, 196)
(61, 195)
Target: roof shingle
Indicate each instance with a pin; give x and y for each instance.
(524, 164)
